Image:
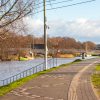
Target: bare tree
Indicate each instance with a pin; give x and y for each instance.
(89, 45)
(12, 12)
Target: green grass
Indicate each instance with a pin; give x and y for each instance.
(8, 88)
(96, 78)
(97, 67)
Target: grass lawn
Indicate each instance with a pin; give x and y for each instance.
(96, 78)
(8, 88)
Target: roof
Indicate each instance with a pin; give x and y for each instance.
(37, 46)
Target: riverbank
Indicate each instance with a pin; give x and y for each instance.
(65, 55)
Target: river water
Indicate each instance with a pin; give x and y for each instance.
(10, 68)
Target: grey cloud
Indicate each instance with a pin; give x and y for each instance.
(80, 28)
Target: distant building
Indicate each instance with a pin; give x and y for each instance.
(98, 47)
(37, 46)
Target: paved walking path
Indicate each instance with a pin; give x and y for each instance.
(72, 83)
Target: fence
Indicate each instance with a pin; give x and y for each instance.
(51, 63)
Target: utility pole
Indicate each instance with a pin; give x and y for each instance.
(45, 34)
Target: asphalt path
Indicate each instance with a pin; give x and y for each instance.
(66, 83)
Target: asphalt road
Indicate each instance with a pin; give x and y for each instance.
(72, 83)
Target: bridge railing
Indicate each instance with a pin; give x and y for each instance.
(51, 63)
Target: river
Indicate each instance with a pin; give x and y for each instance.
(10, 68)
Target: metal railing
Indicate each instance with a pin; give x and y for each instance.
(51, 63)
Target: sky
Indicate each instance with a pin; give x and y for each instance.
(81, 22)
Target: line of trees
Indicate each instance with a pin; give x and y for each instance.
(14, 40)
(66, 43)
(17, 42)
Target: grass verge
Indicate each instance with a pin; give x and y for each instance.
(8, 88)
(96, 78)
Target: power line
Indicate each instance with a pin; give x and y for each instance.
(61, 2)
(42, 2)
(55, 3)
(74, 4)
(50, 3)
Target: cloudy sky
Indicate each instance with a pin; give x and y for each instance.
(81, 22)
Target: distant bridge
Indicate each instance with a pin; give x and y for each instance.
(59, 50)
